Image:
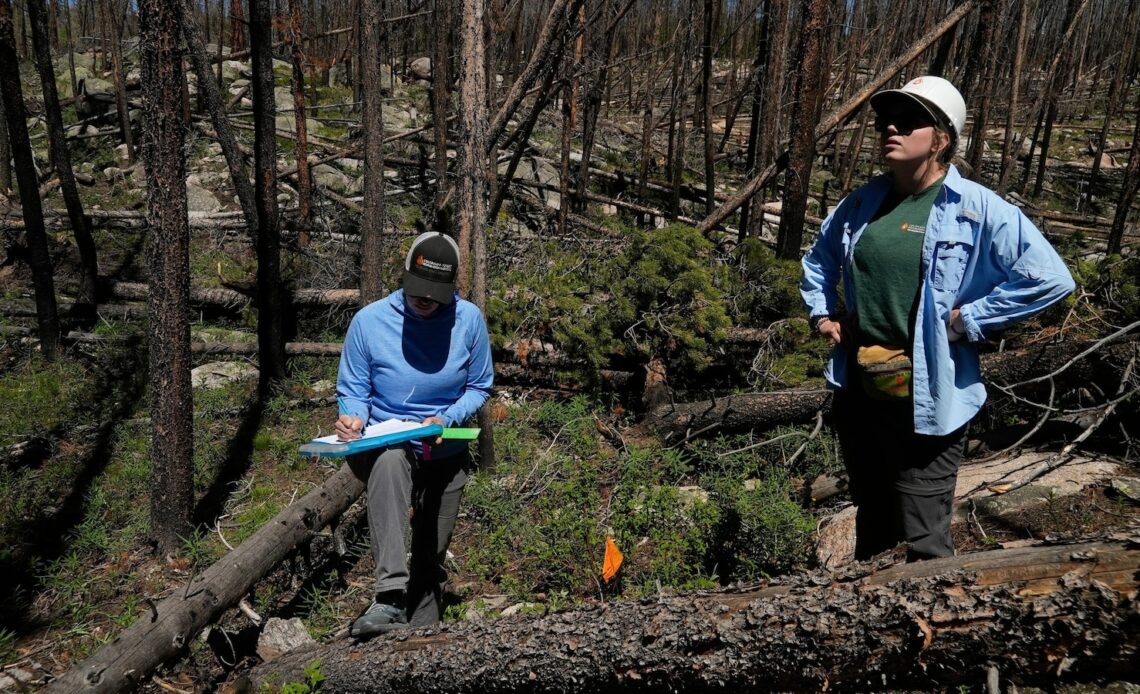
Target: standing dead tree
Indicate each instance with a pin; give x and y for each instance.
(168, 264)
(304, 182)
(768, 83)
(11, 93)
(270, 297)
(805, 113)
(840, 114)
(373, 219)
(113, 27)
(1127, 191)
(84, 308)
(474, 170)
(210, 95)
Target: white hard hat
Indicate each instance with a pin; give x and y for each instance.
(936, 95)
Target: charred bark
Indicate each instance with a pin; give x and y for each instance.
(1127, 192)
(5, 154)
(441, 96)
(473, 174)
(115, 38)
(304, 182)
(1008, 155)
(210, 95)
(270, 299)
(757, 182)
(1032, 612)
(373, 220)
(805, 114)
(11, 93)
(84, 309)
(168, 264)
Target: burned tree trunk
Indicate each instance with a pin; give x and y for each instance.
(5, 154)
(1127, 192)
(210, 95)
(47, 315)
(237, 27)
(706, 103)
(304, 182)
(473, 174)
(85, 298)
(115, 38)
(1008, 156)
(373, 220)
(767, 81)
(548, 39)
(564, 149)
(1031, 612)
(915, 48)
(168, 264)
(270, 299)
(805, 114)
(441, 96)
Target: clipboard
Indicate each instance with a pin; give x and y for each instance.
(383, 434)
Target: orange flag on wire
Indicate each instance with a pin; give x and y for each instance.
(613, 560)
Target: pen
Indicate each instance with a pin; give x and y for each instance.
(343, 409)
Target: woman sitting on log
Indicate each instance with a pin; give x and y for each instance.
(421, 354)
(931, 265)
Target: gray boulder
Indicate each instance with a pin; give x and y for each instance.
(334, 179)
(233, 69)
(219, 373)
(281, 636)
(420, 68)
(198, 199)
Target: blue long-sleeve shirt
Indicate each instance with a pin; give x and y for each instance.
(397, 365)
(980, 255)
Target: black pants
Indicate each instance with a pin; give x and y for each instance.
(902, 483)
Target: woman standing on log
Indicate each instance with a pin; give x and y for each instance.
(931, 264)
(422, 354)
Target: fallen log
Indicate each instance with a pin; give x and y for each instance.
(758, 411)
(168, 628)
(1034, 613)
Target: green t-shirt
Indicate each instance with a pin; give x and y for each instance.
(888, 268)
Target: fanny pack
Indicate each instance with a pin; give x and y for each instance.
(885, 372)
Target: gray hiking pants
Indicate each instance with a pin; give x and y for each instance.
(404, 491)
(902, 483)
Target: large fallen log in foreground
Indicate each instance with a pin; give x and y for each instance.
(163, 633)
(1033, 612)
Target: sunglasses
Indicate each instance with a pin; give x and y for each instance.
(905, 122)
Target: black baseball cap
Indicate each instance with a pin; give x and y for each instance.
(431, 267)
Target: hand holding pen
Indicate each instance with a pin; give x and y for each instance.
(348, 426)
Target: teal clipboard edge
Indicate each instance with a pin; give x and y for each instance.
(340, 450)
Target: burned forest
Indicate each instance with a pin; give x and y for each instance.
(661, 226)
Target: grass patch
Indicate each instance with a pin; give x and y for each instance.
(684, 519)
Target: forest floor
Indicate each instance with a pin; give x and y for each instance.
(573, 464)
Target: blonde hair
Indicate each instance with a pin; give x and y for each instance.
(947, 154)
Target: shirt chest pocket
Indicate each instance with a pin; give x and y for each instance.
(952, 255)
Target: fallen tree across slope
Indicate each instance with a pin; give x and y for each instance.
(1034, 613)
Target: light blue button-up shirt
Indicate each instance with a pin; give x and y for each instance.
(980, 255)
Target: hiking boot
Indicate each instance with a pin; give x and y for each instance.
(377, 619)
